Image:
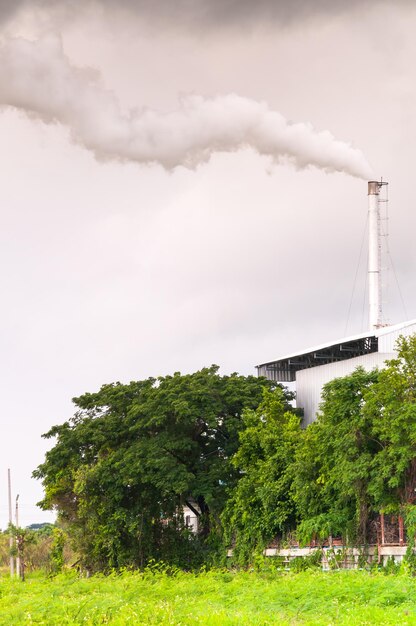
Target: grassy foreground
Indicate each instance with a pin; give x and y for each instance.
(219, 598)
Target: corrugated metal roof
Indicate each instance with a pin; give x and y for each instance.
(334, 348)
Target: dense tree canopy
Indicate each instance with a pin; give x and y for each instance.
(133, 455)
(390, 407)
(232, 449)
(261, 506)
(332, 466)
(359, 457)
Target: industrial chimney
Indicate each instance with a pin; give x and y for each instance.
(374, 254)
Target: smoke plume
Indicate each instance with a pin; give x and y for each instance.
(204, 13)
(37, 78)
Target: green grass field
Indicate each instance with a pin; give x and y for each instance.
(220, 598)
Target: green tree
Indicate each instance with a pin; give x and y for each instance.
(390, 405)
(133, 455)
(57, 560)
(359, 457)
(333, 463)
(260, 506)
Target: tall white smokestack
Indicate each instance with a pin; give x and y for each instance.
(374, 255)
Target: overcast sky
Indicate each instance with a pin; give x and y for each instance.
(114, 270)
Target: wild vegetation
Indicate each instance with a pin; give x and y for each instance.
(232, 449)
(44, 548)
(214, 598)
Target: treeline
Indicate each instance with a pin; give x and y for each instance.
(40, 546)
(232, 450)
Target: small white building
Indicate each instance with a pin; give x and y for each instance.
(190, 518)
(312, 368)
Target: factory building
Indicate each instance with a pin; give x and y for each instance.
(311, 369)
(314, 367)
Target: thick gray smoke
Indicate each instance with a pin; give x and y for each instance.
(205, 12)
(37, 78)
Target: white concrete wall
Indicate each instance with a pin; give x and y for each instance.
(352, 555)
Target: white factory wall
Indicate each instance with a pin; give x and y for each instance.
(309, 382)
(387, 337)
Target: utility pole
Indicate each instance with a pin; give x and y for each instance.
(11, 523)
(17, 537)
